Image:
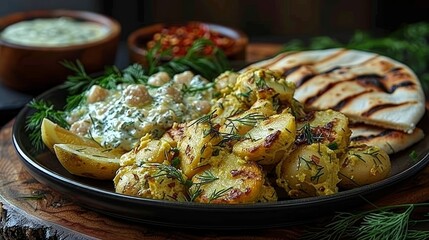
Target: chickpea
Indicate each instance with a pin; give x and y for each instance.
(203, 106)
(96, 94)
(136, 95)
(80, 127)
(183, 78)
(159, 79)
(171, 91)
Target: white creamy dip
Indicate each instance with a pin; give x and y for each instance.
(118, 118)
(53, 32)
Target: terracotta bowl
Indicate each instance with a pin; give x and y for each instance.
(35, 68)
(137, 40)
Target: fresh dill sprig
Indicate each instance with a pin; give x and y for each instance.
(250, 119)
(205, 178)
(218, 193)
(307, 135)
(208, 66)
(310, 165)
(170, 172)
(204, 119)
(384, 223)
(33, 125)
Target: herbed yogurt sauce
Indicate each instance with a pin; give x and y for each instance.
(53, 32)
(118, 118)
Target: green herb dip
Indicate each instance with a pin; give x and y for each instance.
(53, 32)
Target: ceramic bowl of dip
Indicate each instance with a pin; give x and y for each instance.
(34, 44)
(179, 36)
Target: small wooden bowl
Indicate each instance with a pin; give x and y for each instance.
(137, 40)
(34, 69)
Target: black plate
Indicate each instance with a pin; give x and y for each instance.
(100, 195)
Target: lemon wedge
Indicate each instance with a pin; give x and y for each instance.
(86, 161)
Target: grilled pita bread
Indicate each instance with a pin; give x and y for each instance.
(391, 141)
(367, 87)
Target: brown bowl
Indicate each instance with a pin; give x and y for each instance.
(137, 40)
(35, 68)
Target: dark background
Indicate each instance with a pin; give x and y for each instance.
(275, 20)
(263, 20)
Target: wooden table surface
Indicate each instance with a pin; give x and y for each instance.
(31, 210)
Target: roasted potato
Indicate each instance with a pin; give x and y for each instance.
(310, 170)
(363, 165)
(152, 180)
(196, 147)
(242, 122)
(150, 150)
(225, 82)
(226, 107)
(328, 127)
(229, 179)
(254, 84)
(269, 141)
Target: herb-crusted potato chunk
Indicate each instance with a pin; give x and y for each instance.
(328, 127)
(363, 165)
(197, 145)
(242, 122)
(229, 180)
(149, 150)
(151, 180)
(250, 83)
(310, 170)
(269, 141)
(226, 107)
(225, 82)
